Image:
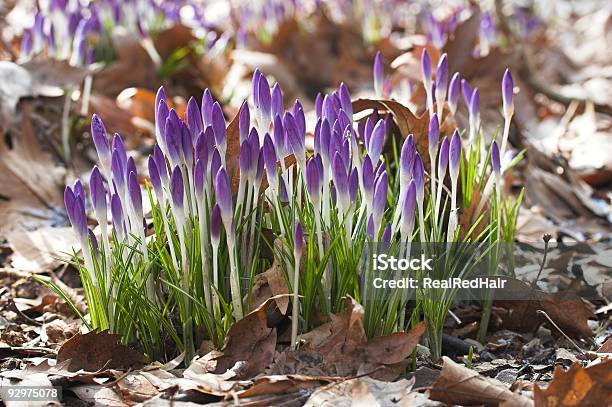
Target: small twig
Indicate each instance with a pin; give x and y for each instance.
(546, 239)
(562, 333)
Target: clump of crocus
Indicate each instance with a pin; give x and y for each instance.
(209, 207)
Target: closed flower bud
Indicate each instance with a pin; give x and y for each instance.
(408, 209)
(135, 194)
(454, 155)
(443, 157)
(265, 101)
(313, 180)
(215, 225)
(454, 92)
(353, 185)
(277, 101)
(155, 177)
(377, 141)
(298, 240)
(244, 121)
(245, 159)
(269, 154)
(194, 118)
(207, 104)
(434, 133)
(418, 173)
(160, 162)
(218, 126)
(345, 100)
(495, 160)
(319, 105)
(279, 135)
(75, 209)
(223, 193)
(300, 118)
(118, 217)
(507, 94)
(380, 197)
(98, 194)
(442, 75)
(426, 69)
(407, 158)
(177, 187)
(474, 108)
(385, 239)
(199, 175)
(379, 74)
(98, 134)
(466, 91)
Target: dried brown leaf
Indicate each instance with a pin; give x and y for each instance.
(591, 386)
(97, 350)
(459, 385)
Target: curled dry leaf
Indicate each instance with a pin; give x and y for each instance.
(567, 310)
(97, 350)
(249, 341)
(341, 348)
(363, 391)
(271, 283)
(591, 386)
(459, 385)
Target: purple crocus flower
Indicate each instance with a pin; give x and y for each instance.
(245, 158)
(215, 163)
(117, 171)
(160, 162)
(264, 100)
(434, 134)
(345, 100)
(177, 188)
(407, 158)
(199, 175)
(223, 194)
(319, 105)
(378, 71)
(370, 228)
(119, 148)
(474, 107)
(466, 91)
(426, 68)
(270, 159)
(244, 121)
(135, 194)
(279, 137)
(408, 210)
(442, 78)
(385, 239)
(380, 198)
(340, 178)
(495, 160)
(453, 92)
(118, 217)
(277, 101)
(418, 173)
(367, 178)
(155, 177)
(353, 185)
(75, 208)
(215, 225)
(507, 94)
(443, 158)
(98, 194)
(207, 105)
(98, 134)
(377, 141)
(313, 180)
(454, 155)
(300, 118)
(218, 126)
(294, 137)
(194, 118)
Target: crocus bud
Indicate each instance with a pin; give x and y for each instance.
(218, 126)
(194, 118)
(507, 91)
(434, 133)
(207, 104)
(367, 178)
(313, 180)
(426, 69)
(117, 214)
(186, 144)
(385, 239)
(407, 158)
(223, 193)
(379, 74)
(199, 177)
(117, 171)
(454, 155)
(244, 121)
(353, 185)
(135, 194)
(380, 198)
(94, 242)
(298, 240)
(474, 108)
(79, 191)
(269, 155)
(345, 100)
(265, 101)
(255, 84)
(370, 228)
(119, 148)
(155, 177)
(245, 158)
(277, 101)
(296, 141)
(495, 160)
(408, 211)
(466, 91)
(215, 225)
(442, 77)
(161, 115)
(418, 173)
(160, 162)
(300, 118)
(453, 92)
(278, 133)
(319, 105)
(377, 141)
(215, 163)
(340, 178)
(176, 187)
(443, 157)
(98, 134)
(75, 209)
(98, 194)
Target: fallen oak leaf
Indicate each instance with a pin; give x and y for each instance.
(250, 341)
(284, 384)
(459, 385)
(363, 391)
(591, 386)
(271, 283)
(96, 350)
(341, 348)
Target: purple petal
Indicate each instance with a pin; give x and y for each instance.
(215, 224)
(378, 73)
(495, 159)
(426, 67)
(298, 238)
(244, 121)
(176, 187)
(453, 91)
(194, 118)
(454, 155)
(277, 101)
(507, 93)
(434, 133)
(97, 192)
(223, 193)
(135, 194)
(155, 177)
(218, 124)
(100, 139)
